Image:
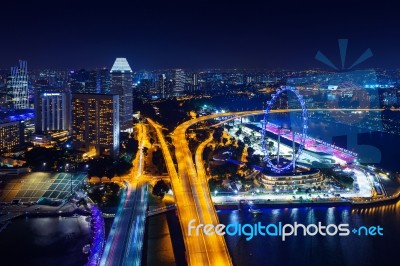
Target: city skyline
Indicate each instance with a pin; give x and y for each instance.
(179, 35)
(199, 133)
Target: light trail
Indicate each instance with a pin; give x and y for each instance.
(125, 241)
(191, 192)
(196, 253)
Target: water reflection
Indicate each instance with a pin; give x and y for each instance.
(45, 241)
(318, 250)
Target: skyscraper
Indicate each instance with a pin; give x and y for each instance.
(179, 82)
(77, 81)
(95, 123)
(11, 135)
(52, 110)
(162, 85)
(121, 84)
(91, 82)
(194, 82)
(104, 80)
(17, 86)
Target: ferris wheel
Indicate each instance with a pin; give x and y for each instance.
(299, 137)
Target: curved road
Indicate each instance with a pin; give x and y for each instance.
(192, 195)
(125, 241)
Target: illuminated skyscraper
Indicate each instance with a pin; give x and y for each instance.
(95, 123)
(52, 110)
(91, 82)
(17, 86)
(104, 80)
(179, 82)
(77, 81)
(161, 85)
(121, 84)
(11, 135)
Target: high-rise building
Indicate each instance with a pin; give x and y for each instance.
(179, 82)
(162, 85)
(52, 111)
(77, 81)
(121, 84)
(11, 135)
(91, 82)
(166, 85)
(41, 85)
(104, 80)
(193, 82)
(142, 89)
(95, 123)
(17, 86)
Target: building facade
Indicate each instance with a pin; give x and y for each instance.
(95, 123)
(104, 80)
(52, 111)
(17, 86)
(77, 80)
(92, 84)
(179, 82)
(121, 84)
(10, 135)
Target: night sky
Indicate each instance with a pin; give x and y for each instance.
(196, 34)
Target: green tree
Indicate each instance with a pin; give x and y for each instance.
(160, 188)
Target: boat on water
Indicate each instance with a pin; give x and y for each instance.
(255, 211)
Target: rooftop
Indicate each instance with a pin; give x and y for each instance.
(121, 65)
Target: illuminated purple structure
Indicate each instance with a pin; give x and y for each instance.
(303, 135)
(96, 249)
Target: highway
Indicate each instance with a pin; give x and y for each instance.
(216, 251)
(133, 250)
(196, 253)
(201, 172)
(125, 240)
(191, 192)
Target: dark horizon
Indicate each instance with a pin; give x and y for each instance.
(178, 34)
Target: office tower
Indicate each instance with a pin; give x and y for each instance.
(142, 89)
(194, 82)
(11, 135)
(179, 82)
(95, 123)
(77, 81)
(41, 85)
(165, 85)
(104, 80)
(121, 84)
(52, 110)
(161, 85)
(91, 82)
(17, 86)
